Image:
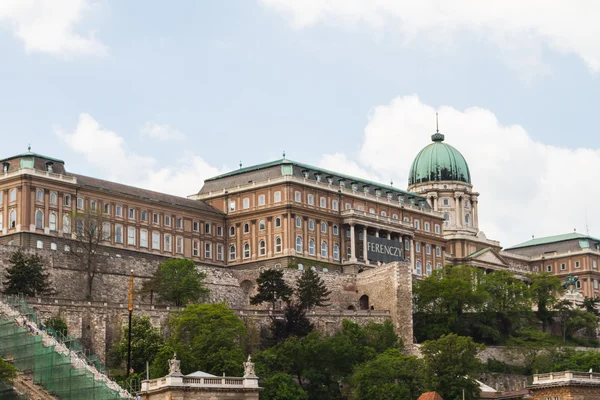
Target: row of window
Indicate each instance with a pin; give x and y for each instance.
(428, 268)
(262, 248)
(446, 202)
(427, 226)
(563, 266)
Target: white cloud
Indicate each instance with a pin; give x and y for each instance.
(519, 28)
(48, 26)
(108, 151)
(526, 187)
(161, 132)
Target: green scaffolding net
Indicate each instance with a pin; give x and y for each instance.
(52, 369)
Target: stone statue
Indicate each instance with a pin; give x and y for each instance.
(174, 365)
(249, 367)
(570, 284)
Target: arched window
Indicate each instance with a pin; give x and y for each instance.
(12, 196)
(323, 249)
(232, 231)
(323, 227)
(311, 200)
(277, 222)
(428, 269)
(52, 221)
(311, 225)
(53, 198)
(360, 208)
(246, 250)
(371, 211)
(246, 228)
(418, 268)
(39, 195)
(261, 225)
(467, 219)
(334, 205)
(336, 252)
(394, 216)
(66, 223)
(278, 244)
(336, 230)
(298, 244)
(12, 219)
(232, 252)
(298, 222)
(383, 214)
(262, 248)
(311, 247)
(261, 200)
(39, 219)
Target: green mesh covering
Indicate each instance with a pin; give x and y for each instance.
(50, 369)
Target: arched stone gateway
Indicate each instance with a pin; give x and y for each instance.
(364, 302)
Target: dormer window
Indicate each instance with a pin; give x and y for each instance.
(378, 193)
(305, 174)
(329, 180)
(366, 189)
(389, 195)
(342, 183)
(5, 167)
(400, 199)
(354, 187)
(318, 177)
(50, 167)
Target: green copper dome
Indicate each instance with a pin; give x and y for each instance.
(439, 162)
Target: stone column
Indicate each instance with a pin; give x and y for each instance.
(474, 203)
(458, 213)
(389, 236)
(352, 244)
(365, 258)
(412, 256)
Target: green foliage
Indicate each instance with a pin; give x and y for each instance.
(293, 323)
(312, 291)
(177, 280)
(146, 343)
(282, 387)
(545, 289)
(534, 347)
(590, 304)
(58, 325)
(7, 371)
(389, 376)
(450, 364)
(271, 287)
(26, 276)
(207, 337)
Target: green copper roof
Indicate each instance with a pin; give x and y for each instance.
(439, 162)
(285, 161)
(32, 154)
(554, 239)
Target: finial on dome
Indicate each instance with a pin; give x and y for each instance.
(284, 154)
(437, 136)
(391, 182)
(29, 147)
(240, 164)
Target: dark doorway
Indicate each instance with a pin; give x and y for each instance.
(364, 302)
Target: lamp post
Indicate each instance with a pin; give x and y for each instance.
(130, 308)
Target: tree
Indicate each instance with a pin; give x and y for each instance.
(177, 280)
(271, 287)
(545, 289)
(293, 323)
(92, 230)
(146, 342)
(207, 337)
(282, 387)
(7, 371)
(533, 347)
(572, 319)
(58, 325)
(26, 275)
(590, 304)
(389, 376)
(312, 291)
(450, 363)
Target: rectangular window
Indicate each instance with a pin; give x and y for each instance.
(577, 265)
(144, 216)
(118, 234)
(67, 200)
(438, 251)
(155, 241)
(167, 220)
(196, 248)
(406, 244)
(196, 226)
(563, 266)
(261, 200)
(179, 245)
(437, 229)
(219, 231)
(207, 228)
(106, 208)
(311, 200)
(348, 206)
(426, 226)
(119, 211)
(594, 264)
(417, 224)
(549, 268)
(179, 223)
(595, 283)
(132, 213)
(220, 252)
(208, 251)
(246, 203)
(93, 205)
(277, 197)
(80, 203)
(131, 236)
(168, 243)
(427, 249)
(155, 218)
(298, 197)
(232, 205)
(144, 238)
(323, 202)
(418, 247)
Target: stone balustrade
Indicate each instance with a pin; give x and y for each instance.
(539, 379)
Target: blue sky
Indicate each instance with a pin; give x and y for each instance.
(163, 96)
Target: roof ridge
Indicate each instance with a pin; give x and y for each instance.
(552, 239)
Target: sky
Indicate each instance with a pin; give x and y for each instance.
(163, 95)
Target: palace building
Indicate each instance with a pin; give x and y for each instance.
(286, 214)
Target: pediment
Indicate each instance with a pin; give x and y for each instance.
(488, 256)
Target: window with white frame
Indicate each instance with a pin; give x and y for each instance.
(144, 238)
(167, 243)
(383, 214)
(549, 268)
(427, 249)
(144, 216)
(323, 202)
(311, 225)
(437, 229)
(39, 195)
(262, 248)
(445, 202)
(277, 222)
(52, 221)
(118, 210)
(406, 244)
(428, 269)
(39, 219)
(179, 223)
(106, 208)
(167, 220)
(208, 251)
(12, 219)
(348, 206)
(578, 284)
(298, 222)
(298, 196)
(207, 228)
(219, 252)
(246, 228)
(131, 236)
(232, 230)
(195, 226)
(232, 252)
(131, 213)
(336, 230)
(563, 266)
(395, 216)
(310, 199)
(1, 221)
(336, 251)
(417, 247)
(67, 200)
(439, 266)
(118, 234)
(155, 240)
(80, 203)
(277, 197)
(577, 264)
(246, 250)
(93, 205)
(323, 227)
(426, 226)
(278, 244)
(594, 264)
(438, 251)
(261, 225)
(334, 205)
(155, 218)
(66, 224)
(246, 203)
(595, 283)
(179, 245)
(360, 208)
(53, 198)
(40, 244)
(196, 248)
(311, 247)
(323, 249)
(467, 220)
(371, 211)
(219, 231)
(417, 224)
(232, 205)
(261, 200)
(298, 244)
(418, 270)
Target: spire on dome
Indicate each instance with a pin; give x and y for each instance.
(437, 136)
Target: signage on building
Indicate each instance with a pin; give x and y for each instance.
(384, 250)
